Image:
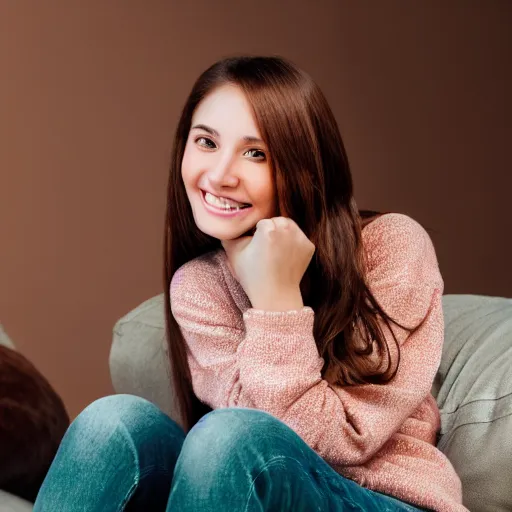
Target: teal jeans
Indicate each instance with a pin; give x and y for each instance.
(123, 454)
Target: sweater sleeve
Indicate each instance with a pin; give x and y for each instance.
(270, 361)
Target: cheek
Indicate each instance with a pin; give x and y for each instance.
(264, 194)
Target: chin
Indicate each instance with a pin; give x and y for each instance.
(227, 234)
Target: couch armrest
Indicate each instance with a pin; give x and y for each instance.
(139, 362)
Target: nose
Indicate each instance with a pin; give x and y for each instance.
(222, 172)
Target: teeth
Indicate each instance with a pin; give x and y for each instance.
(220, 203)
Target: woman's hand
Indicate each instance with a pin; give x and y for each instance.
(270, 265)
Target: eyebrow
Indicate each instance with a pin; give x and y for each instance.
(215, 133)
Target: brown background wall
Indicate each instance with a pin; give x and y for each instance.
(89, 98)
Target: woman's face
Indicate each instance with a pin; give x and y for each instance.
(226, 162)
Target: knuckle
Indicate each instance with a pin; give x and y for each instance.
(264, 223)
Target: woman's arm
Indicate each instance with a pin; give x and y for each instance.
(269, 360)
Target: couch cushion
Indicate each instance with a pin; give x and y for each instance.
(475, 398)
(139, 361)
(10, 503)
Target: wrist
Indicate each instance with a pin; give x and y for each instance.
(282, 301)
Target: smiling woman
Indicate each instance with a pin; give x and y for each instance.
(302, 355)
(225, 166)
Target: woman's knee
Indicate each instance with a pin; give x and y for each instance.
(233, 432)
(122, 441)
(241, 453)
(111, 409)
(234, 423)
(122, 415)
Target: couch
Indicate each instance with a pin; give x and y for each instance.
(473, 388)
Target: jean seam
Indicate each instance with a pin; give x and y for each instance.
(279, 458)
(136, 481)
(128, 496)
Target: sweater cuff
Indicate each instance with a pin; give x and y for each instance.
(298, 318)
(269, 327)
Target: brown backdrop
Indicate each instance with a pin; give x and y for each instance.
(89, 98)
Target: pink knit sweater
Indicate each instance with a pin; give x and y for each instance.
(381, 436)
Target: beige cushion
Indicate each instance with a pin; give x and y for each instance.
(139, 363)
(475, 398)
(10, 503)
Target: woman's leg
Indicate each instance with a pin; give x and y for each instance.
(118, 454)
(246, 460)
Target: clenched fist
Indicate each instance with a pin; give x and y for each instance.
(270, 265)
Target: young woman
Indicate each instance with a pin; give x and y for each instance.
(304, 335)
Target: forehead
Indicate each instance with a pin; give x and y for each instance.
(227, 110)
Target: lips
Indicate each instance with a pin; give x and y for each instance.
(239, 203)
(225, 212)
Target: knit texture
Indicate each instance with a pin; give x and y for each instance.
(381, 436)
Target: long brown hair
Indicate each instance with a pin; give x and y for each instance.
(314, 188)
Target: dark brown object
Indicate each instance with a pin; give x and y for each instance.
(33, 421)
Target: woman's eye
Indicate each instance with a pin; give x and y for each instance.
(205, 142)
(209, 144)
(260, 156)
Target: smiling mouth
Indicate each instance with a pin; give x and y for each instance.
(241, 206)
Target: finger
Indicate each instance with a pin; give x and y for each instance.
(265, 225)
(282, 222)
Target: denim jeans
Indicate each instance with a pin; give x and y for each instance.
(123, 454)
